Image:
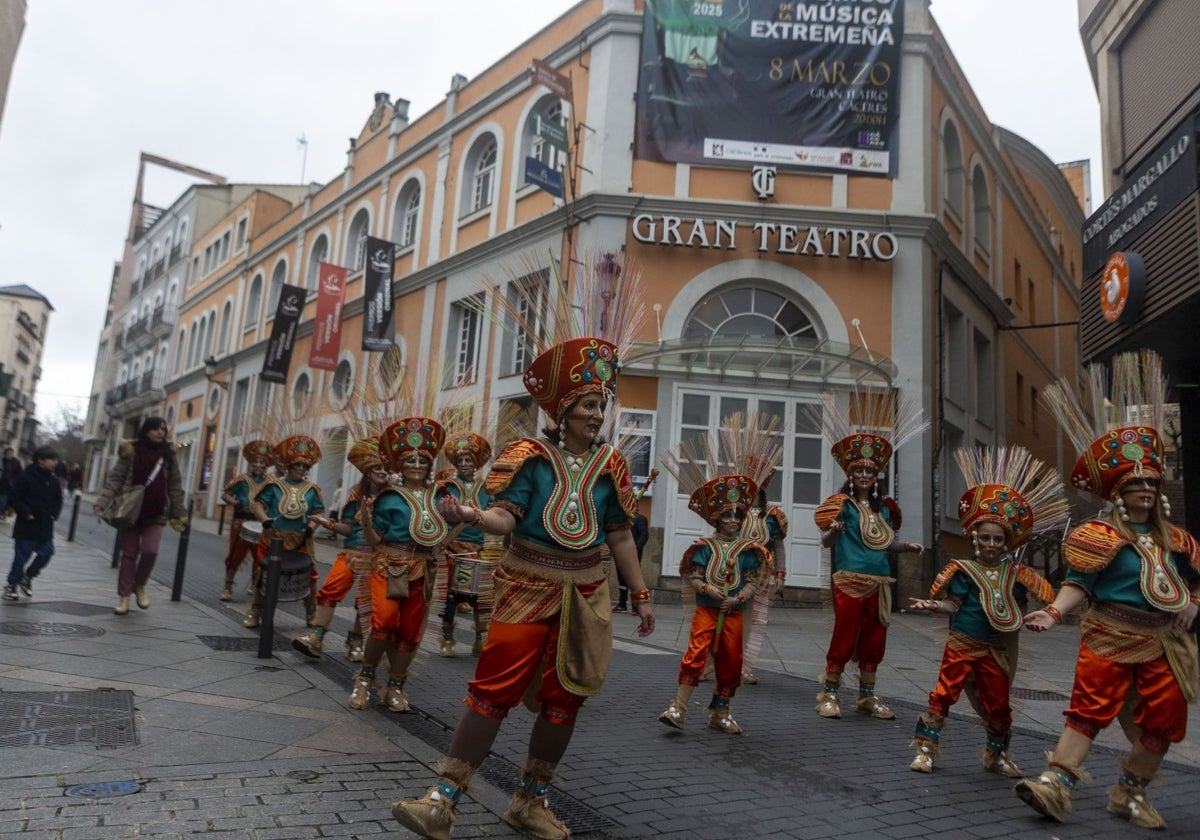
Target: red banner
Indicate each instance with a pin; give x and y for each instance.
(327, 327)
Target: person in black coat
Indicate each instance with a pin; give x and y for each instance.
(10, 471)
(37, 499)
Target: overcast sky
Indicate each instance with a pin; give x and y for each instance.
(229, 86)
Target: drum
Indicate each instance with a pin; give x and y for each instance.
(251, 531)
(295, 576)
(466, 575)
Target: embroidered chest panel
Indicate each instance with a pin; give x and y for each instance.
(570, 517)
(723, 570)
(425, 523)
(1161, 582)
(996, 596)
(294, 504)
(755, 527)
(875, 531)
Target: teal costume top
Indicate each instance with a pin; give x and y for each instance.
(244, 490)
(712, 556)
(852, 555)
(272, 497)
(395, 519)
(971, 620)
(355, 538)
(1120, 581)
(476, 498)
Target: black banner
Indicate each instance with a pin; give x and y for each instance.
(283, 334)
(801, 83)
(379, 327)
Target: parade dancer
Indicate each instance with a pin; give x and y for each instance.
(240, 492)
(406, 532)
(1010, 497)
(723, 571)
(859, 525)
(468, 576)
(1141, 578)
(558, 499)
(353, 564)
(284, 506)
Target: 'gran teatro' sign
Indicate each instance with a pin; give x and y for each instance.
(769, 237)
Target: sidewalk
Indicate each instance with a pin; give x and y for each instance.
(227, 744)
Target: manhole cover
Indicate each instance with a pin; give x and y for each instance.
(59, 718)
(97, 790)
(239, 643)
(1032, 694)
(47, 628)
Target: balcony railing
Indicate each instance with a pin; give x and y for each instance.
(148, 329)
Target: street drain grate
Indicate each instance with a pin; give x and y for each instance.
(101, 790)
(239, 643)
(48, 628)
(1032, 694)
(58, 718)
(65, 607)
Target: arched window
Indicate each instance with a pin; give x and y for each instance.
(223, 338)
(751, 312)
(191, 348)
(253, 302)
(180, 347)
(981, 210)
(183, 231)
(952, 169)
(407, 214)
(301, 391)
(278, 278)
(482, 173)
(356, 240)
(343, 382)
(318, 255)
(549, 110)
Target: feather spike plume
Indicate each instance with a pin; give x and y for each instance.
(871, 409)
(601, 296)
(631, 441)
(1135, 394)
(752, 445)
(689, 463)
(1015, 467)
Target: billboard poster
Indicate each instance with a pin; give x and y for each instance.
(327, 327)
(811, 84)
(379, 327)
(283, 334)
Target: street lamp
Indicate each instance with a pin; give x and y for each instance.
(210, 371)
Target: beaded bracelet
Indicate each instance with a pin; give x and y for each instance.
(640, 595)
(478, 520)
(1054, 612)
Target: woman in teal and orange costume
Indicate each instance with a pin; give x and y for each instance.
(558, 499)
(1010, 497)
(284, 506)
(723, 571)
(859, 525)
(1140, 576)
(351, 568)
(406, 531)
(240, 492)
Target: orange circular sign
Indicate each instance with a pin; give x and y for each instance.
(1114, 287)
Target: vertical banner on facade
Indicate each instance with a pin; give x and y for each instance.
(327, 328)
(802, 83)
(379, 327)
(283, 334)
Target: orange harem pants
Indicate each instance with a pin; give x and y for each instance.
(1100, 690)
(509, 665)
(728, 654)
(857, 633)
(238, 549)
(990, 679)
(401, 620)
(337, 582)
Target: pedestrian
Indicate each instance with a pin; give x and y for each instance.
(1010, 497)
(557, 499)
(74, 478)
(406, 531)
(9, 473)
(1140, 576)
(240, 492)
(149, 460)
(859, 524)
(352, 566)
(641, 536)
(37, 499)
(468, 576)
(723, 571)
(60, 472)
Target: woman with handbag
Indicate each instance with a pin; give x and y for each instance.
(146, 467)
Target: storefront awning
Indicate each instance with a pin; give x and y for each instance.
(759, 359)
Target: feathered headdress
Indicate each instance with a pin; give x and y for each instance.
(590, 317)
(1117, 432)
(879, 421)
(1008, 486)
(705, 470)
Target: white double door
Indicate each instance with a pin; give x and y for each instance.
(796, 487)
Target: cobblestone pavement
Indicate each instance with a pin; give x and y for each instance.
(228, 744)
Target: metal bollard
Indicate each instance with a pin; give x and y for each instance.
(181, 561)
(221, 519)
(117, 549)
(74, 517)
(266, 629)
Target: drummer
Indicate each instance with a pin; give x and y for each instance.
(284, 506)
(239, 493)
(469, 577)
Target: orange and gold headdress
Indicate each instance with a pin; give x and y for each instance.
(258, 448)
(1008, 486)
(1117, 433)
